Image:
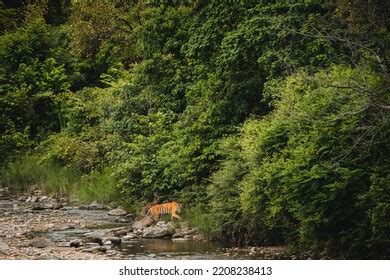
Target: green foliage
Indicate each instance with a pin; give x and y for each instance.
(83, 141)
(60, 181)
(268, 120)
(31, 75)
(308, 168)
(30, 170)
(100, 187)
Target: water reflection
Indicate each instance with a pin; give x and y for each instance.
(166, 248)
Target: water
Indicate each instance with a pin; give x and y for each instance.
(150, 248)
(133, 249)
(169, 249)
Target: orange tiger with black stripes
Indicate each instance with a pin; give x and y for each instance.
(166, 208)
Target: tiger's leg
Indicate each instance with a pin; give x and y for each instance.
(155, 215)
(176, 216)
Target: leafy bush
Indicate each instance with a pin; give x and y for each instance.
(303, 173)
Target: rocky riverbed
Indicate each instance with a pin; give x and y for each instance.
(36, 226)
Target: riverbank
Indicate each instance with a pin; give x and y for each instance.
(35, 226)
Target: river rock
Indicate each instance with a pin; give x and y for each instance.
(161, 223)
(94, 237)
(126, 219)
(128, 237)
(75, 243)
(184, 232)
(32, 199)
(91, 245)
(40, 242)
(22, 198)
(44, 199)
(38, 207)
(159, 231)
(122, 232)
(144, 222)
(113, 240)
(54, 205)
(117, 212)
(3, 246)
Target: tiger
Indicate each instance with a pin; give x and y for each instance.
(166, 208)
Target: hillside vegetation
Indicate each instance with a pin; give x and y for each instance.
(268, 120)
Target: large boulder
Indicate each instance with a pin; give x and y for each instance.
(144, 222)
(159, 231)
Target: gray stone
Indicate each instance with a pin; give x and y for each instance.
(129, 237)
(184, 231)
(40, 242)
(54, 205)
(3, 246)
(113, 239)
(158, 231)
(94, 237)
(144, 222)
(44, 198)
(38, 207)
(75, 243)
(117, 212)
(161, 223)
(122, 232)
(91, 244)
(126, 219)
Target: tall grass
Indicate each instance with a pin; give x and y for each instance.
(97, 186)
(59, 181)
(28, 171)
(199, 217)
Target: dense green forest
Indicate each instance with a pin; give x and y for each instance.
(268, 120)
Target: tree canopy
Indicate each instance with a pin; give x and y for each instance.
(269, 120)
